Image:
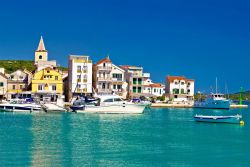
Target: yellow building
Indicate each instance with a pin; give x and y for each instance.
(47, 84)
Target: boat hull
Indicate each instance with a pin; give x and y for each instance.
(113, 109)
(20, 107)
(222, 104)
(219, 119)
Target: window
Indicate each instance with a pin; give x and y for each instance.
(139, 81)
(175, 91)
(103, 85)
(117, 99)
(13, 87)
(134, 89)
(188, 90)
(21, 86)
(139, 89)
(1, 84)
(119, 87)
(40, 87)
(154, 90)
(175, 96)
(40, 57)
(56, 77)
(117, 76)
(48, 71)
(134, 81)
(108, 100)
(54, 87)
(114, 86)
(79, 69)
(182, 83)
(78, 78)
(176, 83)
(182, 91)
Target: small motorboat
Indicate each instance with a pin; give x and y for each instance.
(233, 119)
(20, 105)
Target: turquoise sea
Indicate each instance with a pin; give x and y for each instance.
(159, 137)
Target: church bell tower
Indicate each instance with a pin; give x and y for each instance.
(41, 54)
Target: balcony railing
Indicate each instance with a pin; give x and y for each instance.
(104, 79)
(104, 68)
(104, 90)
(82, 71)
(81, 90)
(117, 79)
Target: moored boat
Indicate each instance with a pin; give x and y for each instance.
(214, 101)
(108, 104)
(234, 119)
(20, 105)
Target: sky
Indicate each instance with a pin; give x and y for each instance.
(201, 40)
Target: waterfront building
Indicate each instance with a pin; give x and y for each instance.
(41, 57)
(179, 89)
(3, 85)
(19, 84)
(47, 84)
(154, 89)
(135, 79)
(109, 78)
(79, 76)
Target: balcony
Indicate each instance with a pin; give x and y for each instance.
(82, 71)
(81, 90)
(107, 79)
(104, 68)
(104, 90)
(117, 79)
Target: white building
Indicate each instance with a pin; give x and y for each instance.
(79, 75)
(119, 84)
(109, 78)
(179, 89)
(154, 89)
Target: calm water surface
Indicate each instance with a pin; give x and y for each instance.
(160, 137)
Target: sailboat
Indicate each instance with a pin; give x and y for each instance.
(214, 101)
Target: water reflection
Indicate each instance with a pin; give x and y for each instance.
(47, 147)
(15, 139)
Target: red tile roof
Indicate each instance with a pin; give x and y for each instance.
(155, 85)
(172, 78)
(105, 60)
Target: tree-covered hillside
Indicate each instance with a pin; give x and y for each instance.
(13, 65)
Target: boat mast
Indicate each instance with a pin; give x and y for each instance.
(216, 89)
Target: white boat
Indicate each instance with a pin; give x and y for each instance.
(234, 119)
(19, 105)
(214, 101)
(108, 104)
